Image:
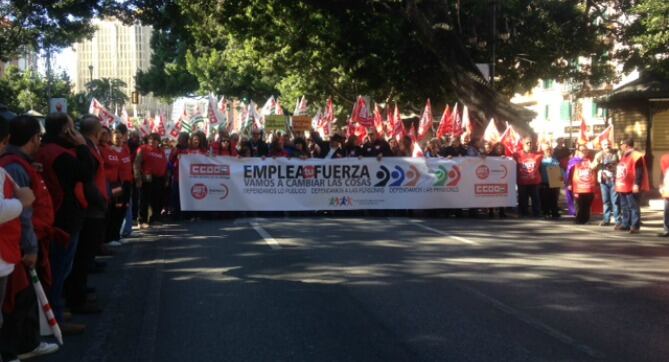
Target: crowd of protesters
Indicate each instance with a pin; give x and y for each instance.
(72, 193)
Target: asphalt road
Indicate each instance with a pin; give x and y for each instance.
(380, 289)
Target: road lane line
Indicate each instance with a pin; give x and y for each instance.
(535, 323)
(269, 240)
(440, 232)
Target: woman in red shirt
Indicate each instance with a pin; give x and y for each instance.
(150, 170)
(112, 165)
(198, 143)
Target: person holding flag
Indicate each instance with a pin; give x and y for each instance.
(631, 180)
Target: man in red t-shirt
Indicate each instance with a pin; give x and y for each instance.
(664, 190)
(529, 178)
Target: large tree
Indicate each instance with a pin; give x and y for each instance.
(43, 25)
(25, 91)
(109, 91)
(392, 50)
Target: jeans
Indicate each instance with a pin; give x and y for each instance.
(61, 266)
(610, 201)
(526, 192)
(126, 226)
(631, 211)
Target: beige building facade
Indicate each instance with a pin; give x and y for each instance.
(118, 51)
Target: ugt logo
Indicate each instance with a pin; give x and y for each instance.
(397, 177)
(449, 178)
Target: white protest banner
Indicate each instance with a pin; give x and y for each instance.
(253, 184)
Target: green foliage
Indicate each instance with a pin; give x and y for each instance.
(43, 24)
(24, 91)
(108, 91)
(401, 50)
(647, 37)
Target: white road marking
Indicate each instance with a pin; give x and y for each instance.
(535, 323)
(265, 235)
(441, 232)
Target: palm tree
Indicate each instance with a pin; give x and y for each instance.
(108, 91)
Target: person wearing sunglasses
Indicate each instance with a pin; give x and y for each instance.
(529, 178)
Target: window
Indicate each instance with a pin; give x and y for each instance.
(547, 113)
(565, 111)
(548, 83)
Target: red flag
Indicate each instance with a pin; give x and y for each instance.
(107, 118)
(378, 120)
(457, 122)
(416, 150)
(361, 113)
(325, 124)
(161, 125)
(446, 123)
(467, 126)
(398, 126)
(583, 134)
(360, 131)
(425, 125)
(605, 135)
(174, 133)
(491, 133)
(511, 141)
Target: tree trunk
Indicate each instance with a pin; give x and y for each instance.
(460, 72)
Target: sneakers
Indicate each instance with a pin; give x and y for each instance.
(604, 223)
(143, 225)
(663, 234)
(42, 349)
(123, 241)
(634, 231)
(115, 243)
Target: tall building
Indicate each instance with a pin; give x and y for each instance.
(116, 51)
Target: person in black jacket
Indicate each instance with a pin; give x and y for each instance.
(93, 228)
(256, 145)
(73, 165)
(377, 146)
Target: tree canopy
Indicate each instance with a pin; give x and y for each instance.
(42, 24)
(392, 50)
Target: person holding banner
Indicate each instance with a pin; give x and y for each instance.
(256, 146)
(198, 143)
(335, 149)
(529, 178)
(631, 180)
(605, 163)
(150, 169)
(377, 147)
(664, 190)
(581, 182)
